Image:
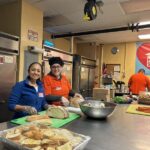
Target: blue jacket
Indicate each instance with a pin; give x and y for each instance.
(24, 94)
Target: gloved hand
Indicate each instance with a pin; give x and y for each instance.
(65, 101)
(79, 96)
(30, 110)
(46, 106)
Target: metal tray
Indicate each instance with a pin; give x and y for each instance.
(144, 101)
(10, 145)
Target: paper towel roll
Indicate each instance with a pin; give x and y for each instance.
(35, 49)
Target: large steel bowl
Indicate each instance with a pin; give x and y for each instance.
(93, 109)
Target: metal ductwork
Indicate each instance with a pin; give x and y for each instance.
(132, 27)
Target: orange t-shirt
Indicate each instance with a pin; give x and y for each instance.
(138, 82)
(58, 87)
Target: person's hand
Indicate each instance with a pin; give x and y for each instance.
(65, 101)
(30, 110)
(134, 102)
(79, 96)
(46, 106)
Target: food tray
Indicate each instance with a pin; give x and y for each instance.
(144, 101)
(10, 145)
(144, 98)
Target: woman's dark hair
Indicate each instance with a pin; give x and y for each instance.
(32, 65)
(142, 70)
(56, 60)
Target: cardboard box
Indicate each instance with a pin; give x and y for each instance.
(101, 90)
(112, 93)
(101, 94)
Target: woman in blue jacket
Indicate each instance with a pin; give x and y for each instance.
(27, 97)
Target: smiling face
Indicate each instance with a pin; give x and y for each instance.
(34, 72)
(56, 70)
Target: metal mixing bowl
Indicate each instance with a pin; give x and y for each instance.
(95, 108)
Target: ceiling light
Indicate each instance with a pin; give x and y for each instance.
(144, 36)
(144, 23)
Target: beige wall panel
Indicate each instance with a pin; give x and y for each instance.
(110, 58)
(130, 60)
(87, 50)
(31, 19)
(46, 36)
(10, 18)
(62, 44)
(125, 57)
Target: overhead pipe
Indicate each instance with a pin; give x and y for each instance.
(132, 27)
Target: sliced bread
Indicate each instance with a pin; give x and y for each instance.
(31, 143)
(66, 146)
(14, 136)
(36, 117)
(57, 112)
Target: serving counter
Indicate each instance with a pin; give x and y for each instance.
(121, 131)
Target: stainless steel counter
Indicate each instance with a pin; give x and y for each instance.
(121, 131)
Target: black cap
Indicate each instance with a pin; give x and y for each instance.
(56, 60)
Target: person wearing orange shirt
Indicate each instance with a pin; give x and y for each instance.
(138, 82)
(56, 85)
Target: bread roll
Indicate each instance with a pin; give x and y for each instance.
(13, 136)
(66, 146)
(51, 148)
(48, 134)
(66, 133)
(37, 148)
(74, 102)
(28, 134)
(75, 141)
(36, 117)
(43, 121)
(31, 143)
(59, 138)
(45, 141)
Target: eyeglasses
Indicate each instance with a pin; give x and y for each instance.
(56, 67)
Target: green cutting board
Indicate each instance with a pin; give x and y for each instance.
(55, 122)
(132, 109)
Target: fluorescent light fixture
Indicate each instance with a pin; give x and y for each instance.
(144, 23)
(144, 36)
